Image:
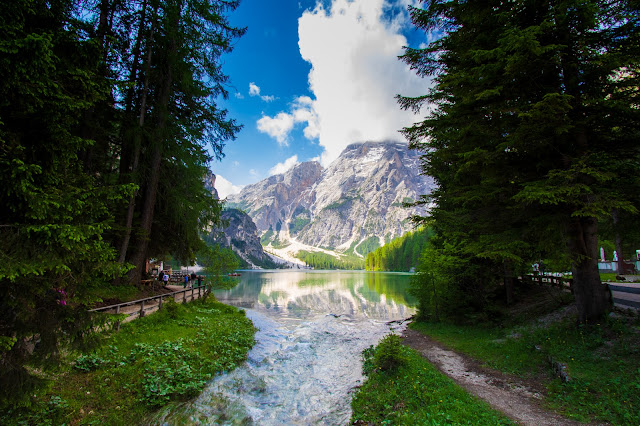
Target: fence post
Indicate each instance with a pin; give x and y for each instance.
(192, 292)
(184, 296)
(160, 303)
(118, 323)
(141, 309)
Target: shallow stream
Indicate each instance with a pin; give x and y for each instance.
(313, 327)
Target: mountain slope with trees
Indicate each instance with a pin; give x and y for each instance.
(401, 254)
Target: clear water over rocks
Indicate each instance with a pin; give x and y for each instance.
(313, 327)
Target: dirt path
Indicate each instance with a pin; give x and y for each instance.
(517, 400)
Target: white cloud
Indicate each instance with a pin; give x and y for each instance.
(284, 166)
(239, 95)
(226, 188)
(254, 90)
(353, 49)
(277, 127)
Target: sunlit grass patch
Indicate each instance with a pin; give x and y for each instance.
(412, 391)
(168, 356)
(602, 361)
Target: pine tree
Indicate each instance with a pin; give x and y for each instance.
(534, 109)
(54, 213)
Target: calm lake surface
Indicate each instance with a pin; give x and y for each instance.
(313, 327)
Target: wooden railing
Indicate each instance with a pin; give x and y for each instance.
(150, 304)
(550, 280)
(628, 290)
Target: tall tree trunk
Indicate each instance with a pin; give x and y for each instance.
(140, 256)
(508, 282)
(593, 299)
(126, 151)
(124, 247)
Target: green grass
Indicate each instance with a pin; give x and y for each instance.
(165, 357)
(603, 362)
(608, 276)
(415, 393)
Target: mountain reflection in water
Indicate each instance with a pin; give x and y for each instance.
(313, 327)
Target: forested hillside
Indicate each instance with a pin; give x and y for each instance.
(401, 254)
(320, 260)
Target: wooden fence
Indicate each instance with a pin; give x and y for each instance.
(139, 308)
(550, 280)
(626, 295)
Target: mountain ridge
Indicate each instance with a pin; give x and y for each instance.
(356, 202)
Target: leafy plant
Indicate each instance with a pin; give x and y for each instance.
(390, 353)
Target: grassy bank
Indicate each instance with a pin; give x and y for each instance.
(602, 361)
(414, 392)
(167, 356)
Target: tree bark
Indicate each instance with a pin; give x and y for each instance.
(126, 150)
(124, 247)
(508, 282)
(140, 255)
(593, 299)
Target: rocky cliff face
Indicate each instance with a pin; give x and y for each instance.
(210, 184)
(241, 235)
(238, 233)
(354, 204)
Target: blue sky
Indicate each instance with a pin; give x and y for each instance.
(310, 77)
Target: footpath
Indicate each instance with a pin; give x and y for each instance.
(137, 308)
(522, 402)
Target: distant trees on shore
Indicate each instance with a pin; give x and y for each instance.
(401, 254)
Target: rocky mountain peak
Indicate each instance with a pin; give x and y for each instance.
(355, 204)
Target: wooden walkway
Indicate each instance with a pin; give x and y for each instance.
(141, 307)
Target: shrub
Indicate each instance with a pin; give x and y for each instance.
(389, 354)
(172, 308)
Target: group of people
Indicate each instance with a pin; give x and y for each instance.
(193, 277)
(164, 277)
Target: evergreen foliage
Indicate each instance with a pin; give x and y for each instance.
(534, 128)
(320, 260)
(401, 254)
(107, 113)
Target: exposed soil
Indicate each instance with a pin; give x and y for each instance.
(518, 399)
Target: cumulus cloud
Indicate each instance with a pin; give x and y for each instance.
(277, 127)
(254, 90)
(353, 48)
(284, 166)
(301, 111)
(226, 188)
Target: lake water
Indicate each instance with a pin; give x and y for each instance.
(313, 327)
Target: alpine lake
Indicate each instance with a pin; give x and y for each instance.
(307, 361)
